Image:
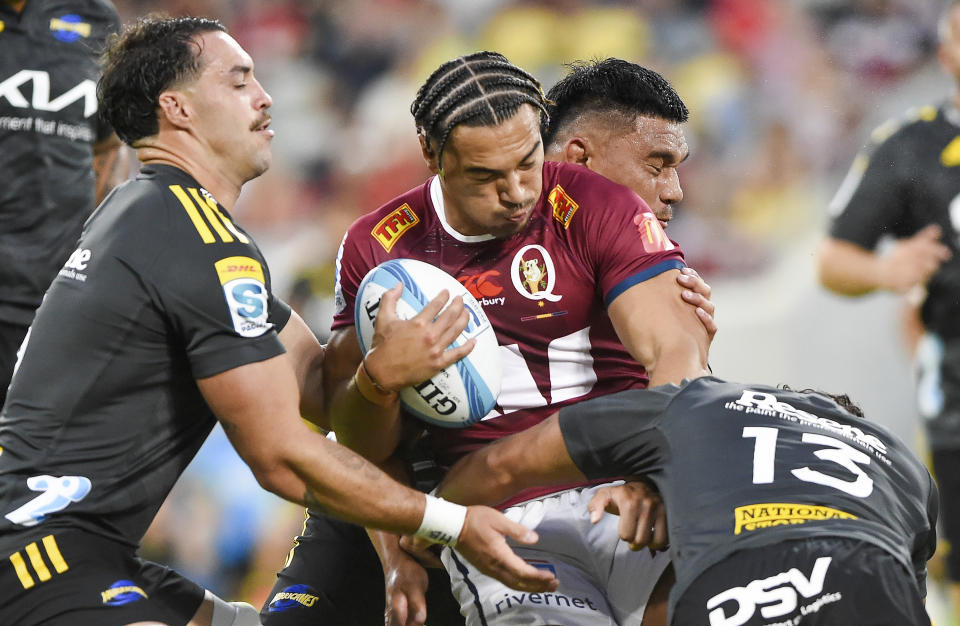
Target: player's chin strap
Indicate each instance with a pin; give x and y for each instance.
(232, 613)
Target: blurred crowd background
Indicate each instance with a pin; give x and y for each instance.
(782, 93)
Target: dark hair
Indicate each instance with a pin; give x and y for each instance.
(142, 62)
(842, 399)
(611, 85)
(479, 89)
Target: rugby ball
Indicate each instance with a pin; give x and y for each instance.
(464, 392)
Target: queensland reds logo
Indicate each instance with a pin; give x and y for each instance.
(533, 274)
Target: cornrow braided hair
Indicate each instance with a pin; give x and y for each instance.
(479, 89)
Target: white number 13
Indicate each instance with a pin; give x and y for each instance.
(836, 451)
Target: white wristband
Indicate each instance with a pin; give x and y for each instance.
(442, 521)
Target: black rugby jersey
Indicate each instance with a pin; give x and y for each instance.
(48, 127)
(909, 177)
(743, 466)
(104, 412)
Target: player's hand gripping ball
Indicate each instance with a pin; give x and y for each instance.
(464, 392)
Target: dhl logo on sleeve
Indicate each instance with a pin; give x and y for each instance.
(651, 233)
(563, 206)
(234, 267)
(769, 514)
(390, 228)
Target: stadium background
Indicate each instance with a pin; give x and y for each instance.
(782, 93)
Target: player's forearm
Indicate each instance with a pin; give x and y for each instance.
(322, 475)
(848, 269)
(368, 427)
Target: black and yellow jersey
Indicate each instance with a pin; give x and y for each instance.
(745, 466)
(104, 413)
(906, 178)
(48, 127)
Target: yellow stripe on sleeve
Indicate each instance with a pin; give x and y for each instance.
(226, 221)
(53, 553)
(20, 566)
(211, 216)
(37, 561)
(191, 209)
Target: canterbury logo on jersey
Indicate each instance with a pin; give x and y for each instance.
(35, 564)
(211, 223)
(85, 90)
(563, 206)
(769, 514)
(389, 229)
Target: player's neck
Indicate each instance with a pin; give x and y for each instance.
(221, 187)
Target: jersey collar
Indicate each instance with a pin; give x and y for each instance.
(436, 197)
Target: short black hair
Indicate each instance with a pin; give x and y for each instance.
(143, 61)
(611, 85)
(479, 89)
(841, 399)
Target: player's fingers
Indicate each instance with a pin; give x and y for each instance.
(689, 278)
(518, 574)
(598, 504)
(387, 311)
(660, 537)
(452, 322)
(433, 307)
(395, 613)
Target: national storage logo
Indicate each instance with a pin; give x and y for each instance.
(766, 515)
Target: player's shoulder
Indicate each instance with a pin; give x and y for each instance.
(171, 205)
(80, 21)
(575, 195)
(909, 125)
(400, 218)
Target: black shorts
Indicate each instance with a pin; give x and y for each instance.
(809, 582)
(333, 576)
(74, 578)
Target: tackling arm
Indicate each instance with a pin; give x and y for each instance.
(536, 456)
(661, 331)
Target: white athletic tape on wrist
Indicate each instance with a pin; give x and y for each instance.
(442, 521)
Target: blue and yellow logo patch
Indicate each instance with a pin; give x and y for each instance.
(563, 206)
(766, 515)
(388, 230)
(69, 28)
(293, 596)
(122, 592)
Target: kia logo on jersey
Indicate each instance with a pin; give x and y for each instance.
(85, 90)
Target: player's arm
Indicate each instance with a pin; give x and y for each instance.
(660, 330)
(536, 456)
(306, 356)
(848, 269)
(111, 165)
(362, 391)
(257, 405)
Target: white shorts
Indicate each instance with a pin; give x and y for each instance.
(602, 581)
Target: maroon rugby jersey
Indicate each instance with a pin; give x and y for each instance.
(545, 289)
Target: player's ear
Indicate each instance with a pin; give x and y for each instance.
(428, 153)
(174, 109)
(576, 150)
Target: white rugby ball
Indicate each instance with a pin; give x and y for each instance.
(464, 392)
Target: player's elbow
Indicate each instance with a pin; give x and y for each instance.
(275, 472)
(505, 472)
